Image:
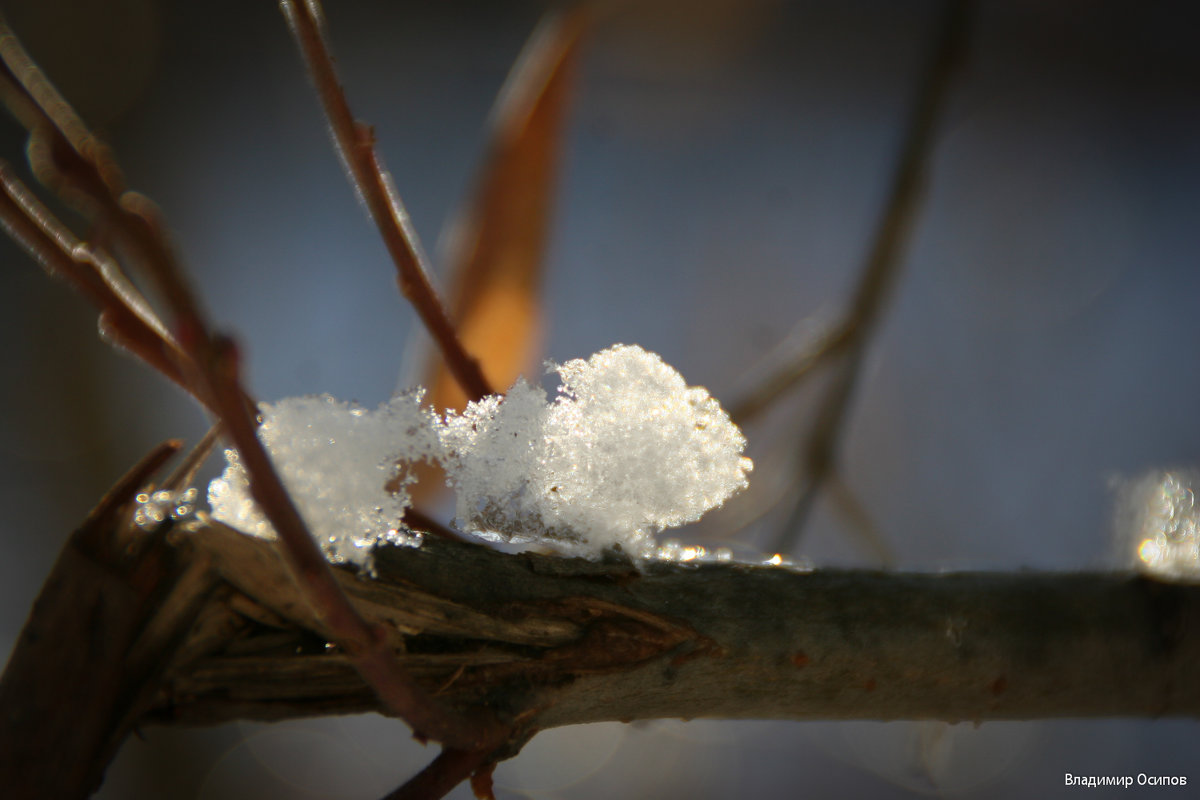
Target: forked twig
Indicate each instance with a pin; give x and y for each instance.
(817, 349)
(355, 142)
(83, 267)
(883, 262)
(80, 169)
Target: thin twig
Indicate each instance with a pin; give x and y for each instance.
(79, 168)
(185, 473)
(817, 348)
(355, 142)
(124, 317)
(91, 534)
(45, 100)
(217, 360)
(448, 770)
(883, 262)
(851, 509)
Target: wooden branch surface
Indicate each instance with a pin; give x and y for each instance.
(547, 641)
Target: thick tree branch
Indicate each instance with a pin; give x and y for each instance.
(202, 624)
(547, 641)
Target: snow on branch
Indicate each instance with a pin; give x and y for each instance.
(1158, 524)
(626, 449)
(336, 459)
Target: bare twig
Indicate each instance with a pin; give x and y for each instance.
(124, 316)
(449, 769)
(883, 262)
(496, 249)
(185, 473)
(80, 169)
(43, 106)
(365, 644)
(816, 349)
(355, 142)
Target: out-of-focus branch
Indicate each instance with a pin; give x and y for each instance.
(88, 270)
(355, 142)
(883, 262)
(790, 368)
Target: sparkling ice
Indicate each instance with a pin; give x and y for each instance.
(625, 450)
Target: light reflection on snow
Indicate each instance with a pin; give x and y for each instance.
(1160, 524)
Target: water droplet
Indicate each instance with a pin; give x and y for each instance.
(155, 508)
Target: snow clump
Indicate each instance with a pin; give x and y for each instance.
(341, 463)
(626, 449)
(623, 451)
(1158, 521)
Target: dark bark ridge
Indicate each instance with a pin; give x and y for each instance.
(548, 641)
(201, 624)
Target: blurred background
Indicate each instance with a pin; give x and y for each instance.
(725, 166)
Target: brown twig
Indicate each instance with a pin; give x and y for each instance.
(43, 106)
(883, 262)
(817, 348)
(184, 473)
(49, 242)
(355, 143)
(449, 769)
(80, 169)
(217, 362)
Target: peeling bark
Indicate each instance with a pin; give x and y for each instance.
(205, 625)
(548, 641)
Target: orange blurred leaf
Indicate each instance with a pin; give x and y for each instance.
(497, 248)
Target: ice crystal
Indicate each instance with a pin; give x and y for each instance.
(155, 508)
(626, 449)
(342, 465)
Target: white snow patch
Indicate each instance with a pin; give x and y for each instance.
(336, 460)
(1158, 522)
(625, 450)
